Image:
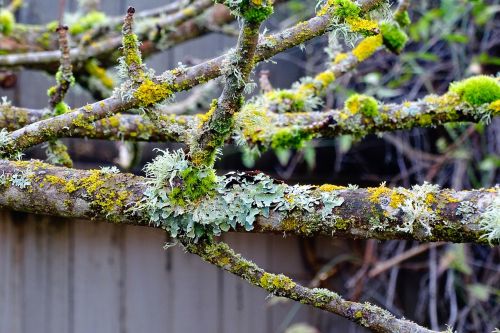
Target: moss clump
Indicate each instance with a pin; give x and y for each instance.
(93, 68)
(367, 47)
(367, 105)
(257, 14)
(87, 22)
(150, 93)
(394, 38)
(61, 108)
(7, 22)
(290, 137)
(193, 185)
(402, 18)
(341, 9)
(477, 90)
(276, 282)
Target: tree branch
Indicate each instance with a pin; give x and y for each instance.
(424, 213)
(370, 316)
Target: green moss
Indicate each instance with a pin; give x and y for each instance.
(87, 22)
(394, 38)
(7, 22)
(257, 13)
(477, 90)
(149, 92)
(290, 137)
(402, 18)
(345, 9)
(195, 184)
(61, 108)
(367, 105)
(341, 9)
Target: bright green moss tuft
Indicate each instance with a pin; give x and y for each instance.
(345, 9)
(290, 137)
(393, 37)
(366, 105)
(402, 18)
(61, 108)
(477, 90)
(257, 14)
(87, 22)
(7, 22)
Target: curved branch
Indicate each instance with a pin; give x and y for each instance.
(365, 314)
(380, 212)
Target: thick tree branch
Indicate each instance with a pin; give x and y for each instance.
(380, 213)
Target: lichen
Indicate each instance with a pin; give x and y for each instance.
(490, 221)
(477, 90)
(366, 105)
(222, 202)
(363, 26)
(367, 47)
(150, 93)
(276, 282)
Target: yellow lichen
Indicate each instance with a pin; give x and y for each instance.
(326, 78)
(340, 57)
(330, 187)
(495, 106)
(367, 47)
(150, 93)
(361, 25)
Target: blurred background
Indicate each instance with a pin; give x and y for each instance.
(60, 275)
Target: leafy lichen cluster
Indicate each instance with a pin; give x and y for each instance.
(219, 203)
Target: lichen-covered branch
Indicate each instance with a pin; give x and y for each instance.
(368, 315)
(424, 213)
(57, 152)
(259, 126)
(218, 125)
(45, 59)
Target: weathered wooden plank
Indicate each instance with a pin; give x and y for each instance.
(96, 277)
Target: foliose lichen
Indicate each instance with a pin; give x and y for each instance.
(195, 203)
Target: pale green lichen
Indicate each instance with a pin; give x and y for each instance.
(490, 221)
(219, 203)
(417, 208)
